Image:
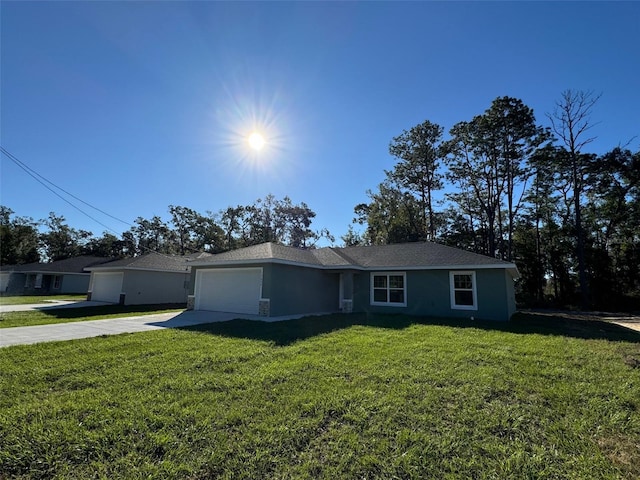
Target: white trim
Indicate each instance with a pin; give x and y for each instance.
(452, 290)
(259, 261)
(388, 274)
(44, 272)
(143, 269)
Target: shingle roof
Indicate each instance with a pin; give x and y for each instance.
(418, 254)
(405, 255)
(267, 251)
(69, 265)
(155, 261)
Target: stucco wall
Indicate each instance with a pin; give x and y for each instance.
(73, 284)
(146, 287)
(4, 281)
(294, 290)
(16, 283)
(70, 283)
(428, 293)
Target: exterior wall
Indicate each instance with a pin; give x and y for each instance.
(4, 281)
(511, 294)
(146, 287)
(69, 283)
(73, 284)
(428, 293)
(293, 290)
(16, 283)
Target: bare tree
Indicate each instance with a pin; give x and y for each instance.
(571, 122)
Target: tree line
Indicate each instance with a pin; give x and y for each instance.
(515, 190)
(500, 185)
(186, 231)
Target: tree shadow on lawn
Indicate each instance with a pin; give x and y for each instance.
(286, 332)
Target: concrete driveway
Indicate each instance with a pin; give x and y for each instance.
(50, 305)
(113, 326)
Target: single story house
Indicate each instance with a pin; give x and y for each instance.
(59, 277)
(422, 278)
(147, 279)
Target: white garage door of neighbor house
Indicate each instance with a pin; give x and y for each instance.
(235, 290)
(107, 287)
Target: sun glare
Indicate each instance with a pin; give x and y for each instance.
(256, 141)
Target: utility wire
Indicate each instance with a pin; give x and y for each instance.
(37, 177)
(43, 181)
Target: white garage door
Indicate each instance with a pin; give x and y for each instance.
(107, 286)
(236, 290)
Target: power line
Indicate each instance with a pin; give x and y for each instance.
(43, 181)
(37, 177)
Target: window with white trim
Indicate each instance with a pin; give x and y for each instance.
(57, 281)
(389, 289)
(463, 290)
(38, 280)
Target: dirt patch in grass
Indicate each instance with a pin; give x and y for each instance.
(624, 452)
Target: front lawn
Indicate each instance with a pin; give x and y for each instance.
(82, 314)
(327, 397)
(27, 299)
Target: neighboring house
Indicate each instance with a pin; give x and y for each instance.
(62, 276)
(148, 279)
(412, 278)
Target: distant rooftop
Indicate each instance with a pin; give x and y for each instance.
(154, 261)
(68, 265)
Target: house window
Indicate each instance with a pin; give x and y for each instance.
(463, 290)
(389, 289)
(38, 280)
(57, 280)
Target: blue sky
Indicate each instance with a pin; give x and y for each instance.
(134, 106)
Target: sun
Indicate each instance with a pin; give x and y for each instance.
(256, 141)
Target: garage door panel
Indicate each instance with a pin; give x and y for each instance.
(107, 287)
(236, 290)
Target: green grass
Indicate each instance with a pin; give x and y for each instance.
(26, 299)
(328, 397)
(82, 314)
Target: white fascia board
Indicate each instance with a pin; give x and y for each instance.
(141, 269)
(44, 272)
(508, 266)
(259, 261)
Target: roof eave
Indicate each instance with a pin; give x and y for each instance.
(226, 263)
(146, 269)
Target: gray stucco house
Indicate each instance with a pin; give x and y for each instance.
(414, 278)
(147, 279)
(59, 277)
